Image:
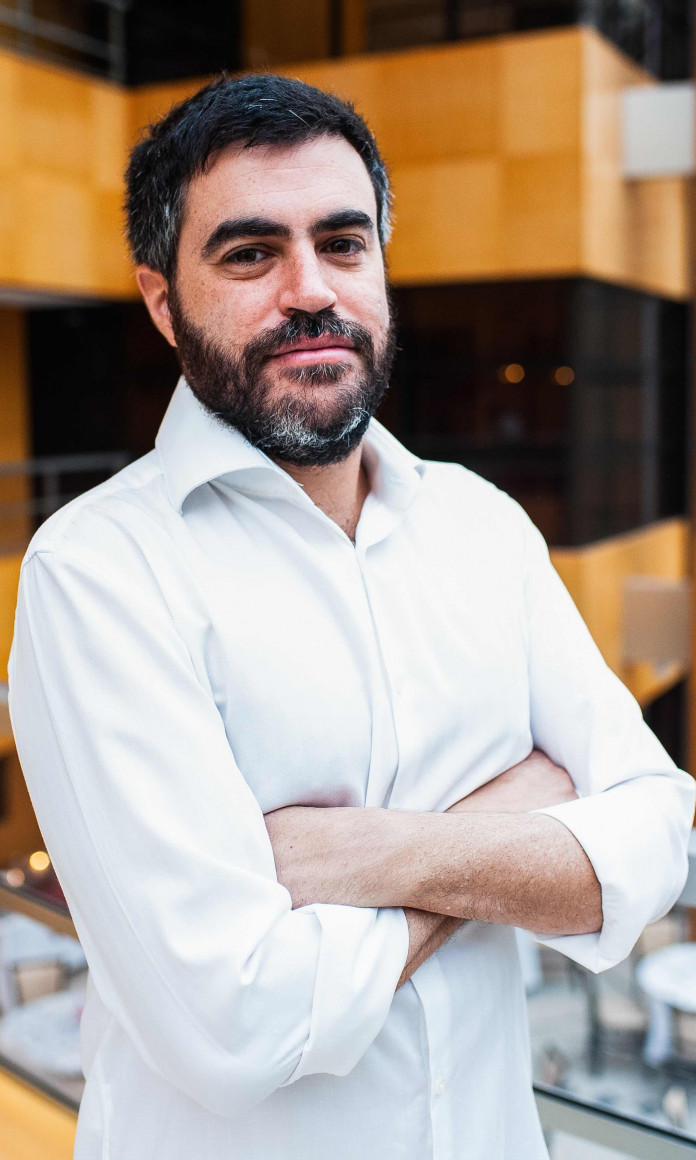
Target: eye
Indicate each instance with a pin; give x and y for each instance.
(248, 256)
(348, 247)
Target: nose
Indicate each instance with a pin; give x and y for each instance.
(304, 285)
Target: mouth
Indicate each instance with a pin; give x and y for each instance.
(326, 348)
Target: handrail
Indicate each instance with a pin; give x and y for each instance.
(630, 1135)
(31, 29)
(65, 464)
(49, 474)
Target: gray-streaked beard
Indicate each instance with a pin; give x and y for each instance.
(294, 429)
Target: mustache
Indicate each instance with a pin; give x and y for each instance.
(306, 325)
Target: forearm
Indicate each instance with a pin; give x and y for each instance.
(346, 855)
(522, 870)
(519, 869)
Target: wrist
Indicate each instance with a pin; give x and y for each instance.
(416, 852)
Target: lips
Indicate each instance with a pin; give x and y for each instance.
(323, 342)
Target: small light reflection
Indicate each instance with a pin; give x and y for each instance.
(564, 376)
(39, 860)
(15, 877)
(512, 373)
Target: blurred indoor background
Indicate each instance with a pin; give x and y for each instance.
(542, 156)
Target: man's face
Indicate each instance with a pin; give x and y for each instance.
(279, 307)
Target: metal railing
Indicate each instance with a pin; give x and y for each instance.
(600, 1125)
(31, 34)
(50, 483)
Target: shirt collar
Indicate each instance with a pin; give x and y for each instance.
(194, 448)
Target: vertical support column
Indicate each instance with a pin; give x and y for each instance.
(353, 27)
(15, 436)
(691, 460)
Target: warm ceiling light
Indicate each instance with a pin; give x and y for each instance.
(39, 860)
(564, 376)
(512, 373)
(15, 877)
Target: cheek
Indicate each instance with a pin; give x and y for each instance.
(232, 316)
(368, 305)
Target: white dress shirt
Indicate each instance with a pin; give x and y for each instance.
(196, 643)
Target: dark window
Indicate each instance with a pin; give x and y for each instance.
(569, 394)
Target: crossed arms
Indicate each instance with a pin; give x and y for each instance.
(487, 858)
(163, 852)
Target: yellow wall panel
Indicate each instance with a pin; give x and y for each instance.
(633, 232)
(34, 1127)
(427, 103)
(11, 235)
(150, 102)
(435, 206)
(55, 122)
(528, 121)
(9, 122)
(541, 211)
(57, 246)
(9, 581)
(107, 246)
(594, 576)
(540, 93)
(64, 141)
(110, 133)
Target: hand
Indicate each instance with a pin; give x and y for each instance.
(327, 854)
(530, 785)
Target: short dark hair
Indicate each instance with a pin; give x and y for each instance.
(263, 109)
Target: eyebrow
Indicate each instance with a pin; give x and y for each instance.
(234, 228)
(260, 227)
(341, 220)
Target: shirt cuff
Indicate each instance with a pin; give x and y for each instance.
(639, 852)
(362, 954)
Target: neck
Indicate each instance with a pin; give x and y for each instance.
(339, 489)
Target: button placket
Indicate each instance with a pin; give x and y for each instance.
(433, 992)
(384, 761)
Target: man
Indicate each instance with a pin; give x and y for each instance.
(278, 618)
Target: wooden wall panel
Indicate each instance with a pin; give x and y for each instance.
(34, 1127)
(272, 32)
(504, 154)
(64, 142)
(15, 440)
(634, 233)
(19, 829)
(9, 581)
(594, 576)
(482, 141)
(540, 93)
(448, 195)
(14, 428)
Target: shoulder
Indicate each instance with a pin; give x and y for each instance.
(98, 525)
(474, 504)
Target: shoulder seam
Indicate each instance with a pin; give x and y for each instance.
(55, 538)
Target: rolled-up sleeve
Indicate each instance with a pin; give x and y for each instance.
(163, 854)
(635, 808)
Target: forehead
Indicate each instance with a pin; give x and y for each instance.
(294, 184)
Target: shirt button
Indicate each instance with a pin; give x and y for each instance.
(441, 1088)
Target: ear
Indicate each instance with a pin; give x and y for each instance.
(155, 290)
